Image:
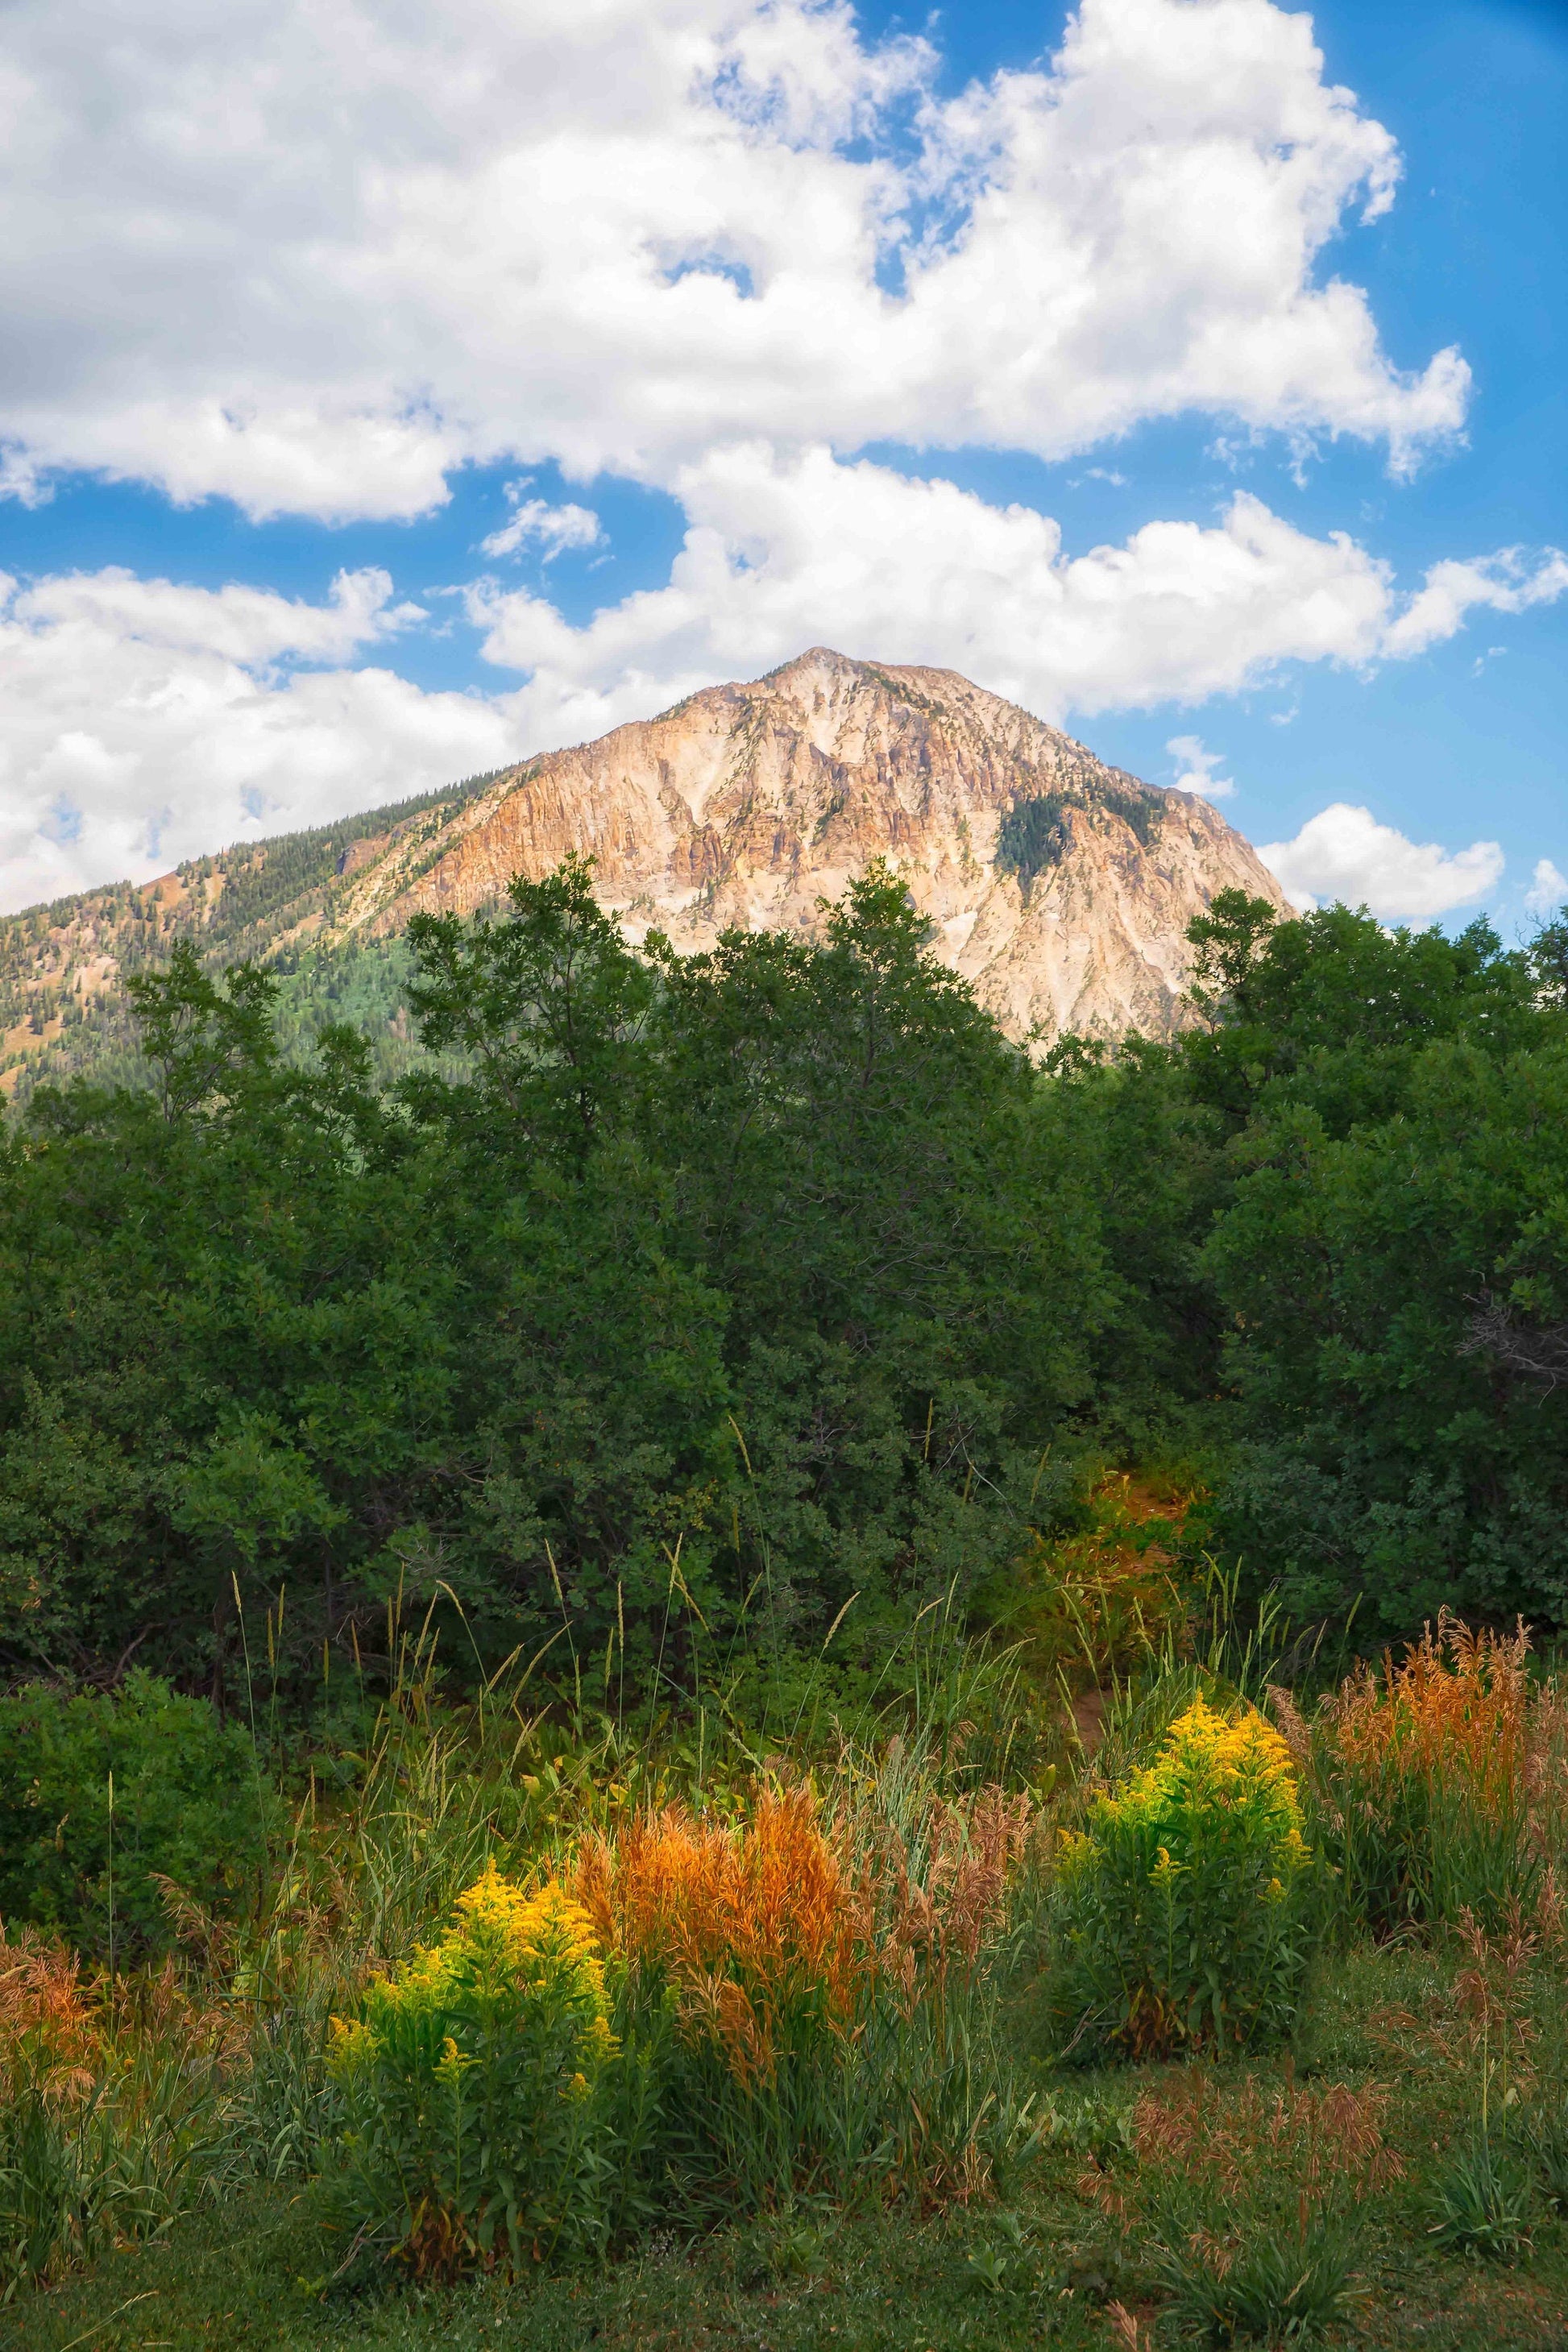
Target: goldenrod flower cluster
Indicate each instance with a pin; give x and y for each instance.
(1212, 1766)
(1178, 1916)
(507, 1943)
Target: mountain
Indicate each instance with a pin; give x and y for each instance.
(1059, 888)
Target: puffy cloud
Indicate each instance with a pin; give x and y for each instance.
(142, 723)
(781, 555)
(1548, 890)
(536, 523)
(242, 625)
(1195, 769)
(312, 256)
(20, 478)
(1344, 853)
(1505, 583)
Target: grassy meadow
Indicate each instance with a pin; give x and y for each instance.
(1147, 1976)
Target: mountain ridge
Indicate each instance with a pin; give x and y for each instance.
(1060, 886)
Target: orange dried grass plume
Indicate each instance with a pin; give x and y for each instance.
(783, 1916)
(748, 1922)
(49, 2027)
(1458, 1704)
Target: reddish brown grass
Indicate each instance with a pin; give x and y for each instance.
(944, 1913)
(785, 1913)
(1206, 2130)
(49, 2023)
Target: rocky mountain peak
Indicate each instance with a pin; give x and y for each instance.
(1060, 887)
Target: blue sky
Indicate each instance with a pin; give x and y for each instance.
(1101, 357)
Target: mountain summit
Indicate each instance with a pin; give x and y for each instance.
(1061, 888)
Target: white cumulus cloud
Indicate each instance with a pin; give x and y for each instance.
(312, 256)
(536, 523)
(1344, 853)
(1548, 890)
(254, 625)
(1508, 581)
(142, 723)
(783, 553)
(1195, 769)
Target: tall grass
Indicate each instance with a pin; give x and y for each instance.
(883, 2063)
(809, 1924)
(114, 2109)
(798, 1996)
(1436, 1783)
(833, 1979)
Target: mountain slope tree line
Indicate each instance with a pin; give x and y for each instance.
(679, 1306)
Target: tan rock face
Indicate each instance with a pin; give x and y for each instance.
(1061, 888)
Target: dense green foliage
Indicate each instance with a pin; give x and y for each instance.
(102, 1797)
(674, 1312)
(716, 1293)
(1390, 1255)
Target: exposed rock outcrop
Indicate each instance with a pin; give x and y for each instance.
(1061, 888)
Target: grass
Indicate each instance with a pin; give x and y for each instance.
(1392, 2174)
(1046, 2267)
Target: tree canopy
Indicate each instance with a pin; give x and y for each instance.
(682, 1301)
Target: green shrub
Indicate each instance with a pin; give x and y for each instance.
(479, 2118)
(1180, 1915)
(1481, 2204)
(101, 1795)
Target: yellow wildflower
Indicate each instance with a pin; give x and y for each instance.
(507, 1943)
(352, 2044)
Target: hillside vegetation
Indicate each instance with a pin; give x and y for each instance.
(713, 1669)
(64, 1012)
(782, 1262)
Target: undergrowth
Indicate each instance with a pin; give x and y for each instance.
(528, 1992)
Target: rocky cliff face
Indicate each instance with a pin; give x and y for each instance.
(1059, 888)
